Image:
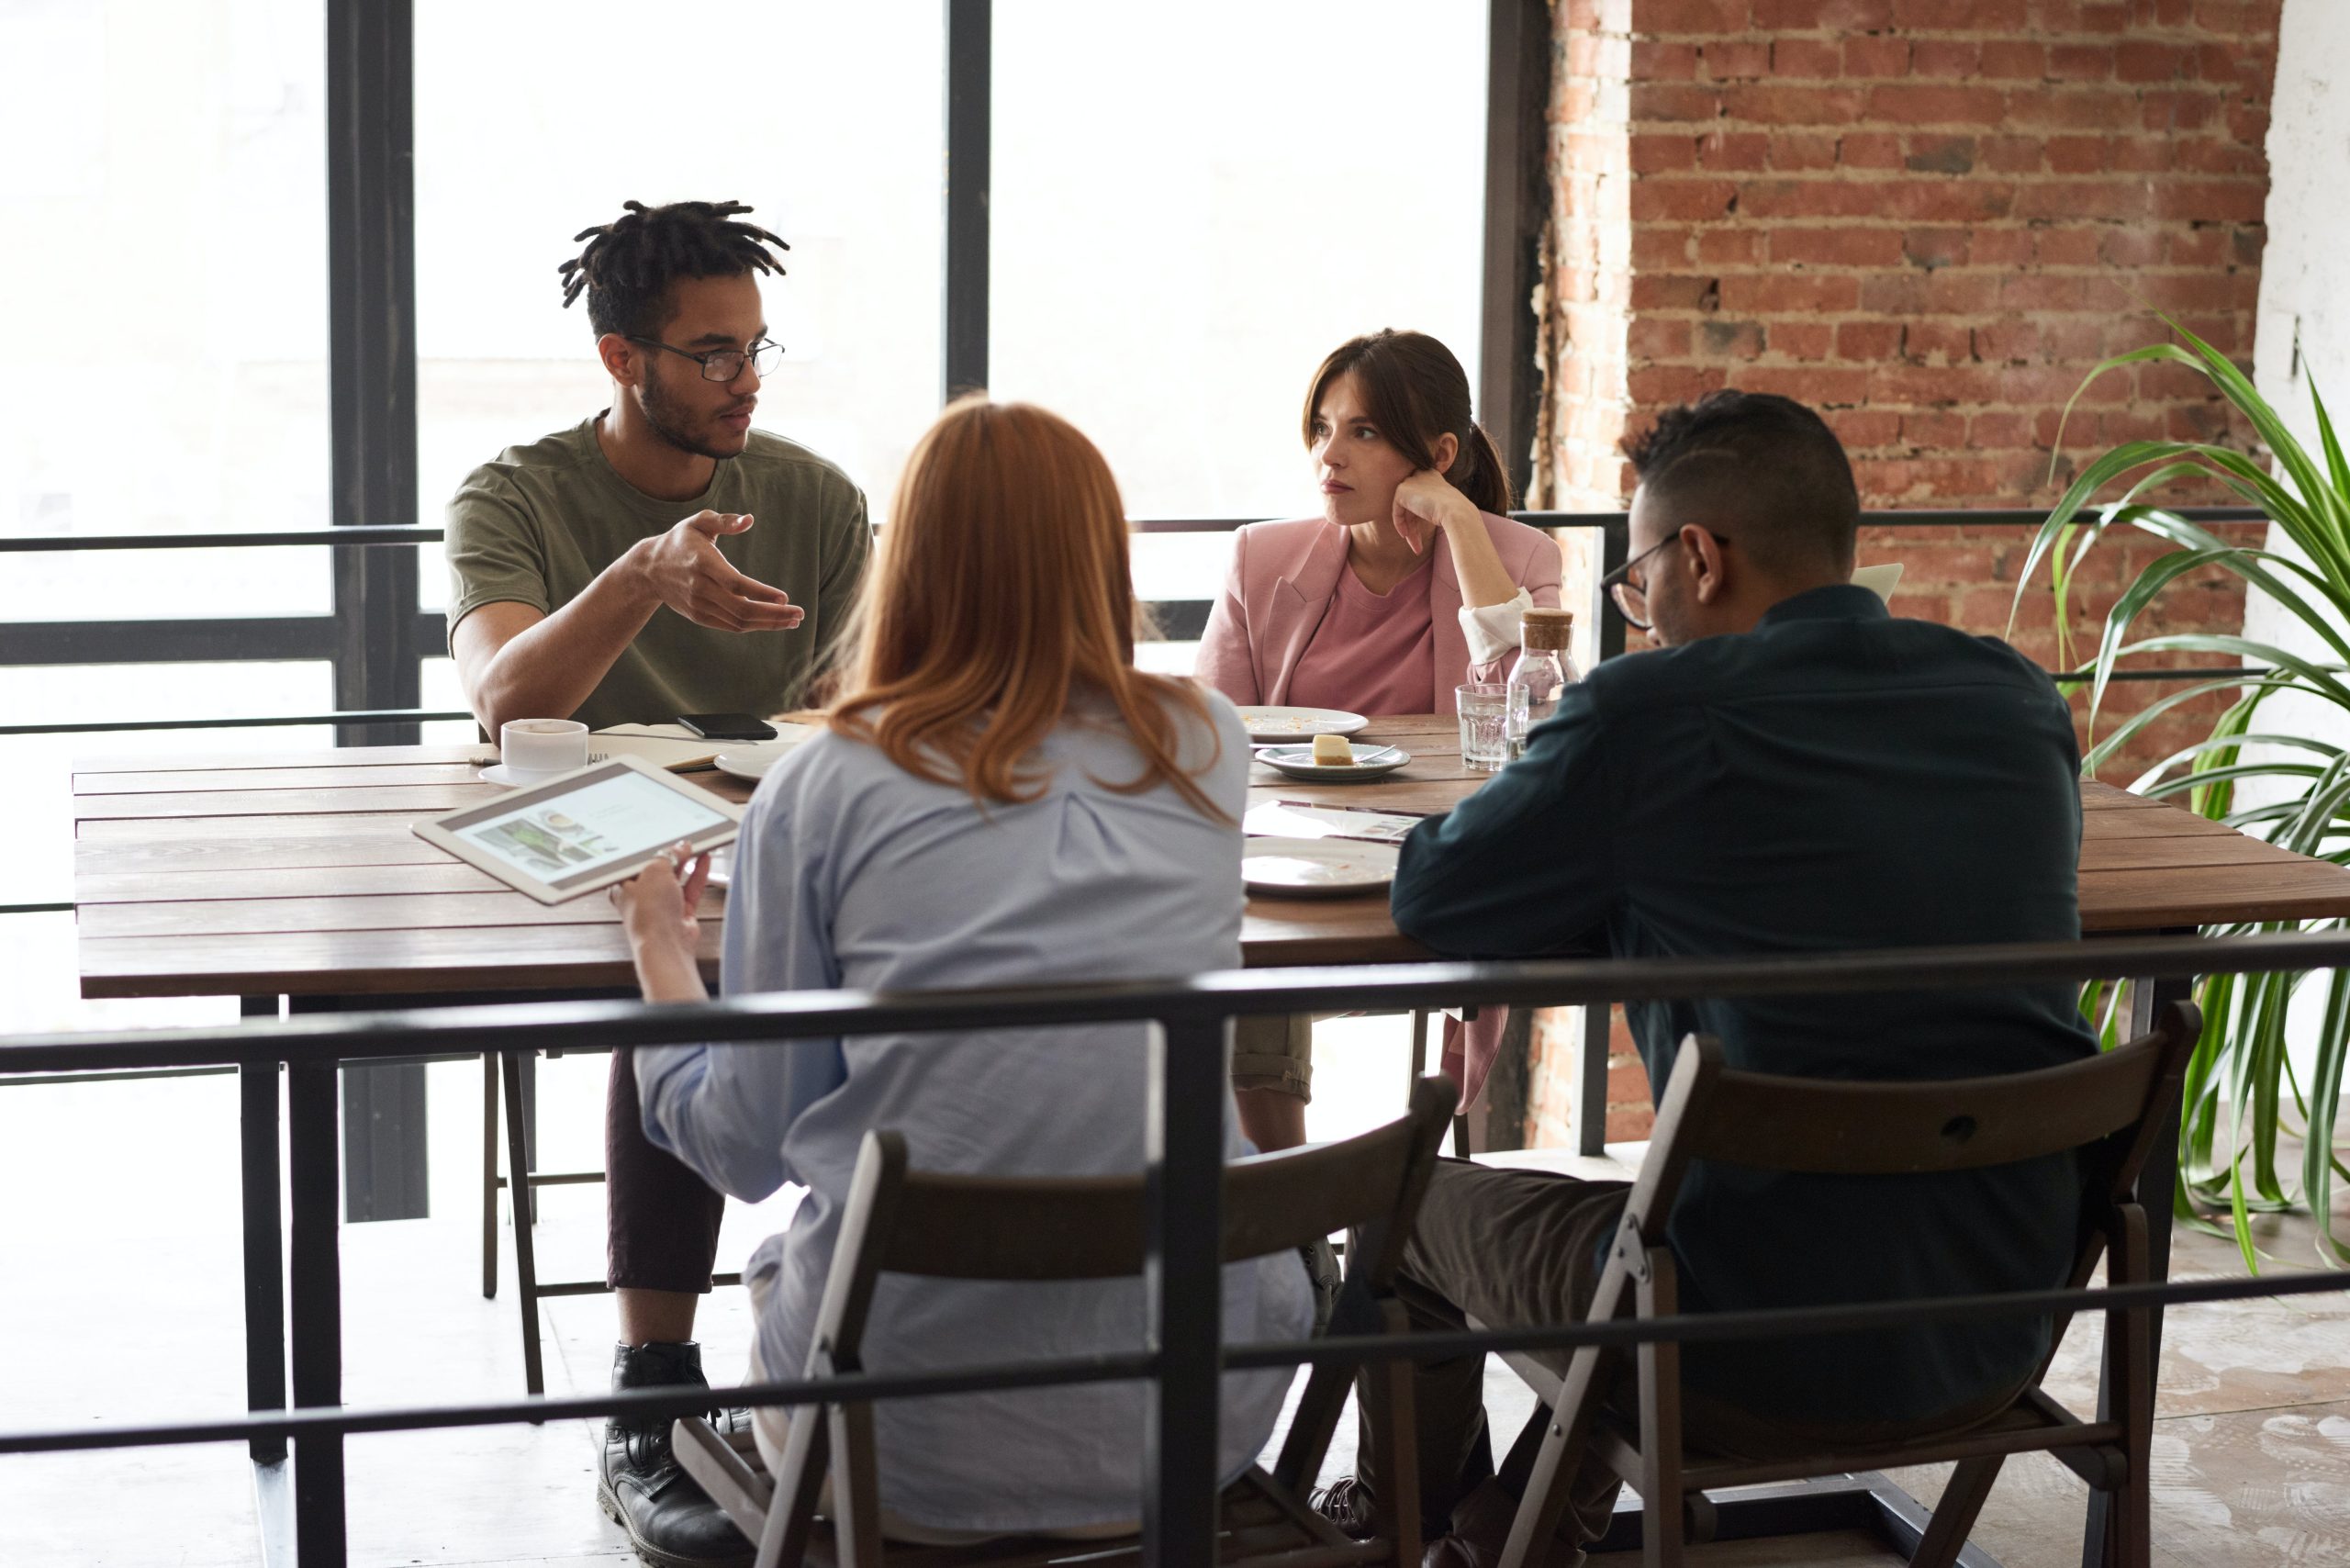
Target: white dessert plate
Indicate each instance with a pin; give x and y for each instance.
(1371, 762)
(749, 765)
(1316, 867)
(1300, 723)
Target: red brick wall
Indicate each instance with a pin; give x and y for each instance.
(1927, 218)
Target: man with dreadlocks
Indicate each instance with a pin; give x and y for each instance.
(660, 558)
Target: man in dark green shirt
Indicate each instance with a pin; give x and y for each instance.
(1794, 770)
(659, 558)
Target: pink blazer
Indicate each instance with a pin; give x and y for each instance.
(1283, 576)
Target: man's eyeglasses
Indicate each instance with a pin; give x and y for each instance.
(1630, 598)
(724, 365)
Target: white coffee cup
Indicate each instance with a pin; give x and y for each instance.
(542, 746)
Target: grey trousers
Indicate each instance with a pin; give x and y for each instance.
(1512, 1247)
(1506, 1247)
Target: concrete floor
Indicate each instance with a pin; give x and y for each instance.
(119, 1302)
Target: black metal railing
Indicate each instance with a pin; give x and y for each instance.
(1185, 1136)
(315, 637)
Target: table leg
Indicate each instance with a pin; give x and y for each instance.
(263, 1240)
(1588, 1107)
(385, 1142)
(317, 1295)
(2157, 1187)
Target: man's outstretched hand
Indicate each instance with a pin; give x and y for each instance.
(683, 569)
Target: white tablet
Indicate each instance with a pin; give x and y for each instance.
(585, 829)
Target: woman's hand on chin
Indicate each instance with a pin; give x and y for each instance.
(660, 915)
(1424, 505)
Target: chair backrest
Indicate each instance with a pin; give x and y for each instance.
(993, 1227)
(2107, 1105)
(898, 1220)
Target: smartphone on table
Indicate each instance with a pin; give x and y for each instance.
(728, 727)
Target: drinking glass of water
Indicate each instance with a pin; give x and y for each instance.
(1483, 706)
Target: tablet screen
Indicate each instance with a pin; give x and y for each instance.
(559, 841)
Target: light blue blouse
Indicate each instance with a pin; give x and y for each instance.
(851, 872)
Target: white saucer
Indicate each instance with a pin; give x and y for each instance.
(498, 773)
(749, 765)
(1297, 761)
(1316, 867)
(1300, 723)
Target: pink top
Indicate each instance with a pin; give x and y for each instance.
(1374, 653)
(1279, 592)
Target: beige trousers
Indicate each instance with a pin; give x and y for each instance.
(1275, 1050)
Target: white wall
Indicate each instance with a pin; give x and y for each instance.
(2303, 332)
(2305, 275)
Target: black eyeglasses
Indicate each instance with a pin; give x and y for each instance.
(724, 365)
(1631, 598)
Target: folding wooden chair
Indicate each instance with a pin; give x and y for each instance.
(904, 1221)
(2111, 1108)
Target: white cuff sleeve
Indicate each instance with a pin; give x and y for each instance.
(1492, 630)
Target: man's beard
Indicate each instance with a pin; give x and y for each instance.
(662, 414)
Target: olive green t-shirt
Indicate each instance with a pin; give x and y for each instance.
(537, 526)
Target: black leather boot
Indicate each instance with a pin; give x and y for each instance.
(669, 1519)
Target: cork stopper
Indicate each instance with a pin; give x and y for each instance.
(1548, 630)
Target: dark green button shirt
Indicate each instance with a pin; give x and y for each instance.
(1835, 780)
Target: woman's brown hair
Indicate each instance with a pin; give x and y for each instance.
(1001, 586)
(1417, 392)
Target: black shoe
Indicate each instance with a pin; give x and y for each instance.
(1480, 1534)
(1346, 1503)
(669, 1519)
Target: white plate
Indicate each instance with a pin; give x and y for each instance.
(1300, 723)
(1297, 761)
(1315, 867)
(749, 765)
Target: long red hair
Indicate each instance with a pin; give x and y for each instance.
(1000, 588)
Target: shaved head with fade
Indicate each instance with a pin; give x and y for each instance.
(1761, 468)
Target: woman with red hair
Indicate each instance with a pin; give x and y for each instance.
(1000, 799)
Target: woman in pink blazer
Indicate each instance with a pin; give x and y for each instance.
(1410, 583)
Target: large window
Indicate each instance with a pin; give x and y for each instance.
(1253, 184)
(825, 118)
(1190, 208)
(1186, 211)
(164, 365)
(163, 370)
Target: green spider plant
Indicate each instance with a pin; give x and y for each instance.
(2241, 1080)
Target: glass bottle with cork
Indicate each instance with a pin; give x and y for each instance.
(1544, 668)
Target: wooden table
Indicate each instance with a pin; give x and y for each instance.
(296, 876)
